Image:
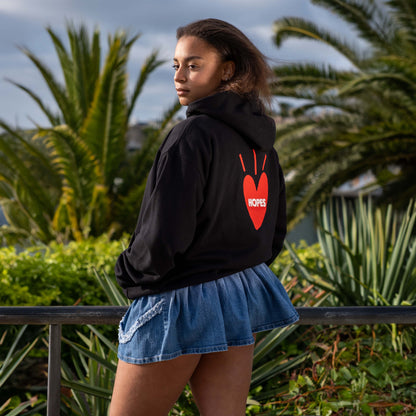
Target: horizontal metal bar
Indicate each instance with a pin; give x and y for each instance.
(357, 315)
(66, 315)
(95, 315)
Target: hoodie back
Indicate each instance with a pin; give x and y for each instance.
(214, 202)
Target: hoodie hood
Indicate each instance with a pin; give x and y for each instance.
(246, 117)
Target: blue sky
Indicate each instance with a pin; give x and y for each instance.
(23, 22)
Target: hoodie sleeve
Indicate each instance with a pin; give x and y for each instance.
(167, 219)
(281, 220)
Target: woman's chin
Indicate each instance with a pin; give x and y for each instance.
(184, 101)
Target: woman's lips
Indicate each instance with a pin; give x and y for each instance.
(181, 91)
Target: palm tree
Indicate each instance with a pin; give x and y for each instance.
(356, 120)
(58, 181)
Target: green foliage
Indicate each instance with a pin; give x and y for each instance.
(351, 371)
(369, 255)
(185, 406)
(90, 371)
(309, 256)
(8, 364)
(14, 356)
(306, 258)
(112, 291)
(56, 274)
(346, 122)
(368, 258)
(14, 406)
(90, 376)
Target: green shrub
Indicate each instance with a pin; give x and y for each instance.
(63, 274)
(309, 256)
(56, 274)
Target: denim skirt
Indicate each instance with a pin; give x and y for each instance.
(204, 318)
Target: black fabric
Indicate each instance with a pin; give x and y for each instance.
(214, 202)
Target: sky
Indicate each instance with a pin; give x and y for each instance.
(24, 22)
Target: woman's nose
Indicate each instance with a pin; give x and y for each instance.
(179, 75)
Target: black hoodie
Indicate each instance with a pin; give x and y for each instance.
(214, 202)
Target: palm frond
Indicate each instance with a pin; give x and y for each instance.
(369, 18)
(81, 180)
(318, 72)
(147, 154)
(399, 65)
(405, 13)
(57, 90)
(105, 127)
(86, 66)
(344, 123)
(64, 59)
(34, 202)
(77, 165)
(389, 78)
(35, 151)
(292, 129)
(152, 62)
(54, 119)
(342, 111)
(289, 27)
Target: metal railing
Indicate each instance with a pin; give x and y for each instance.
(56, 316)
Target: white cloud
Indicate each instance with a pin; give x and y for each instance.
(39, 10)
(12, 6)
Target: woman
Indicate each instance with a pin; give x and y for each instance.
(213, 217)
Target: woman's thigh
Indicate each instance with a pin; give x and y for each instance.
(221, 381)
(150, 389)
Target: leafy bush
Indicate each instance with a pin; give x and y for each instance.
(309, 256)
(63, 274)
(56, 274)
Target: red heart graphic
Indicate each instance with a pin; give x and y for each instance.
(256, 198)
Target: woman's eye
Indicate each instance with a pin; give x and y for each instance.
(190, 66)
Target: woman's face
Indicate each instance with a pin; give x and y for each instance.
(199, 69)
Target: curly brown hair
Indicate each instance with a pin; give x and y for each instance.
(252, 72)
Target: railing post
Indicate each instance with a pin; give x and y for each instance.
(54, 370)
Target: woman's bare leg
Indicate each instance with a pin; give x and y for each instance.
(150, 389)
(221, 382)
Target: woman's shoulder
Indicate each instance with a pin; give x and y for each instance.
(195, 122)
(193, 131)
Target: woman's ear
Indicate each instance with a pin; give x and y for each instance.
(228, 70)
